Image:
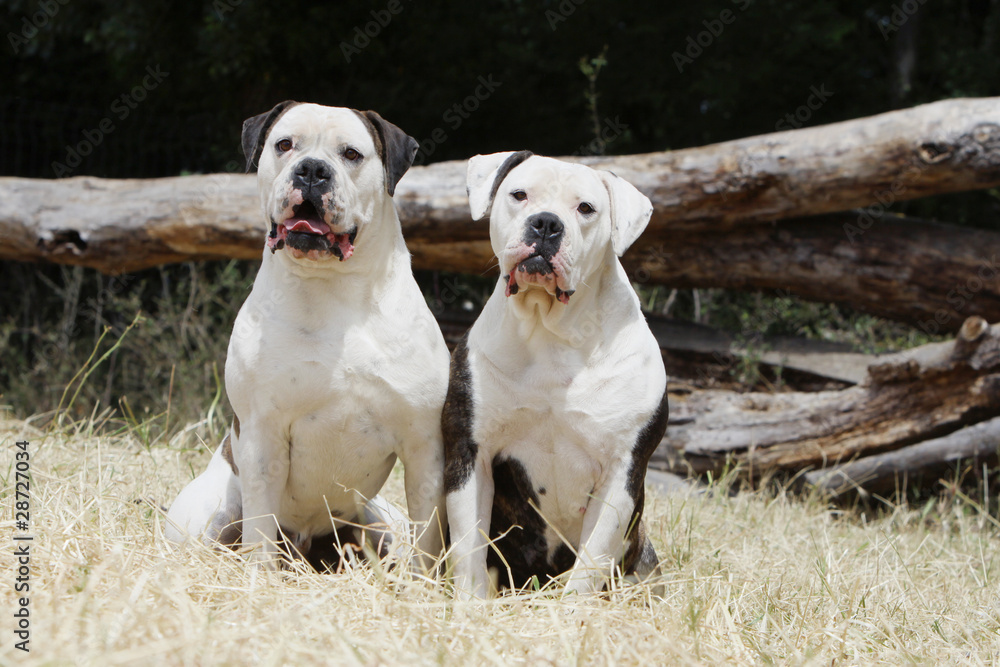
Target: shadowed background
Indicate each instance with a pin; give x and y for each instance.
(147, 89)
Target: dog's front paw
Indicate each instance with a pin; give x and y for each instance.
(263, 558)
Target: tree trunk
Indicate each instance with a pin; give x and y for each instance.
(700, 196)
(909, 464)
(923, 273)
(909, 397)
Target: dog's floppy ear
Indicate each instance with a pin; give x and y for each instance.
(396, 147)
(255, 132)
(630, 211)
(484, 176)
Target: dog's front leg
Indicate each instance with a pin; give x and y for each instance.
(424, 482)
(263, 465)
(470, 509)
(602, 540)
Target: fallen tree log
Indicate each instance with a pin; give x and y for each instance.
(909, 270)
(923, 273)
(690, 349)
(696, 347)
(886, 471)
(907, 398)
(119, 226)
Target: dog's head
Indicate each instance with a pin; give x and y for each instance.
(323, 174)
(553, 223)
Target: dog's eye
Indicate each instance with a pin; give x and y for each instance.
(284, 145)
(585, 208)
(519, 195)
(352, 155)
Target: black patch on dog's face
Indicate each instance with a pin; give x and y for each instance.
(536, 264)
(306, 241)
(544, 232)
(255, 130)
(508, 165)
(313, 178)
(460, 450)
(394, 147)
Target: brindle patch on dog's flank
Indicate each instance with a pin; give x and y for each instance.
(518, 531)
(460, 449)
(646, 443)
(640, 557)
(227, 454)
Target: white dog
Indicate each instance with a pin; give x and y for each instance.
(336, 366)
(557, 398)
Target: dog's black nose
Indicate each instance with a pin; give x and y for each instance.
(312, 172)
(545, 228)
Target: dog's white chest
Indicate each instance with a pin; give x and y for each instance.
(342, 396)
(566, 429)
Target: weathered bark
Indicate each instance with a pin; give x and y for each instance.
(701, 346)
(892, 469)
(947, 146)
(927, 274)
(923, 273)
(907, 398)
(693, 350)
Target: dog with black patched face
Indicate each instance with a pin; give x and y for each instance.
(336, 366)
(557, 397)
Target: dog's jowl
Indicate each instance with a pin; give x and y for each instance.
(336, 366)
(557, 396)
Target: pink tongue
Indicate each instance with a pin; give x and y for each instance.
(346, 249)
(303, 225)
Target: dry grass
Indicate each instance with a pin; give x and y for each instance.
(749, 579)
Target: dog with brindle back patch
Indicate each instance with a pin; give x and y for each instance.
(557, 396)
(336, 366)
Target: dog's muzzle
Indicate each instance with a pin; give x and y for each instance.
(540, 262)
(306, 230)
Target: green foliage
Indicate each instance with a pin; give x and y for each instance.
(230, 59)
(754, 316)
(64, 348)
